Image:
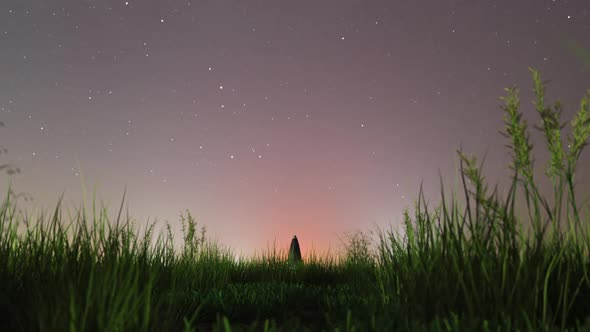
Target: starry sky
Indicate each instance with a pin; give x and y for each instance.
(269, 118)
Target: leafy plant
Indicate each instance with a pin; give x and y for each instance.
(11, 169)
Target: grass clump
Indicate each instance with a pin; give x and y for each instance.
(467, 264)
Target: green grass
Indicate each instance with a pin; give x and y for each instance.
(468, 264)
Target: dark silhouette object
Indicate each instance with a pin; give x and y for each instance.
(295, 251)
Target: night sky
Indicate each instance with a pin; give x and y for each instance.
(270, 118)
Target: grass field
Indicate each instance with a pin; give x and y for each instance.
(469, 264)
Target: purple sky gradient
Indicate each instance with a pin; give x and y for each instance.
(272, 118)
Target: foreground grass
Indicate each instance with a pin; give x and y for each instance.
(466, 265)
